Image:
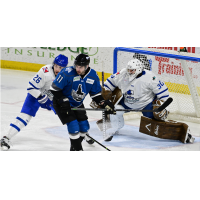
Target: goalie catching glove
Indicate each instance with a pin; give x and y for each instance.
(110, 108)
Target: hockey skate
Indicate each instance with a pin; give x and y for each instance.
(5, 144)
(109, 139)
(190, 139)
(88, 140)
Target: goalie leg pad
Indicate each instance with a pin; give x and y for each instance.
(165, 130)
(113, 121)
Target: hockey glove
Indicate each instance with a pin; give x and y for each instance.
(64, 105)
(162, 115)
(110, 108)
(44, 102)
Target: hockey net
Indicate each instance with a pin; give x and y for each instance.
(179, 70)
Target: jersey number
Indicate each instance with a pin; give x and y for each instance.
(160, 85)
(37, 79)
(60, 77)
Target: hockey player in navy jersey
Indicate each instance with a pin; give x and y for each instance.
(141, 89)
(36, 97)
(70, 89)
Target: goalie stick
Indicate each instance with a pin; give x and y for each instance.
(162, 107)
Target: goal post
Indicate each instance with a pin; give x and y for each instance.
(179, 70)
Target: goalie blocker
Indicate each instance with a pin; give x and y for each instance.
(166, 129)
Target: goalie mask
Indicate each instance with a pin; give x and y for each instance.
(134, 68)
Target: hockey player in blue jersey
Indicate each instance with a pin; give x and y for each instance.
(70, 89)
(36, 97)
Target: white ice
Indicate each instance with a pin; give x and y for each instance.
(46, 133)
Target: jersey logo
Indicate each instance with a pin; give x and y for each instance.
(68, 69)
(90, 81)
(78, 95)
(129, 97)
(117, 73)
(45, 69)
(77, 78)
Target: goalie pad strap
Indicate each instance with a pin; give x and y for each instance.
(165, 130)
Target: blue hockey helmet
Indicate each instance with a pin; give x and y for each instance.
(61, 60)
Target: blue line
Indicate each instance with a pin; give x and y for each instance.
(33, 86)
(162, 91)
(20, 119)
(14, 126)
(110, 83)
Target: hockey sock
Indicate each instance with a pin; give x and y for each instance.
(76, 144)
(81, 139)
(21, 121)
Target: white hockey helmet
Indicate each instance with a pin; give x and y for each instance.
(136, 65)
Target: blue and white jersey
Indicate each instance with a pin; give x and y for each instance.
(76, 88)
(41, 81)
(139, 92)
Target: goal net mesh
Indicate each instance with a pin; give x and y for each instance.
(170, 70)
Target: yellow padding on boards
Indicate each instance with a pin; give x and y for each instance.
(180, 88)
(34, 67)
(173, 87)
(21, 65)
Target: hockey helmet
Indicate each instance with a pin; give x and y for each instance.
(61, 60)
(82, 60)
(144, 60)
(136, 65)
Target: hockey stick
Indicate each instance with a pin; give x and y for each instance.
(162, 107)
(98, 143)
(103, 112)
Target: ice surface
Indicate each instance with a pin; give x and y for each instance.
(46, 133)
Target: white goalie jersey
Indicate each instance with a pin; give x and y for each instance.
(141, 91)
(41, 81)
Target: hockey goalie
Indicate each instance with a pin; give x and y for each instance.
(139, 89)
